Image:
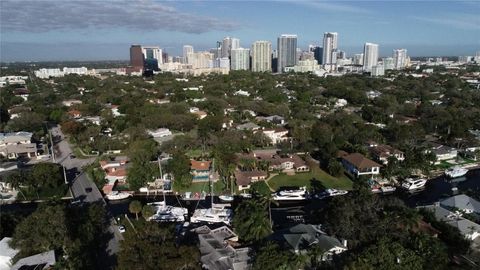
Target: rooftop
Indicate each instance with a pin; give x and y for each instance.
(360, 161)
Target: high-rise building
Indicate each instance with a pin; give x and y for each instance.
(217, 52)
(240, 59)
(187, 49)
(318, 54)
(400, 58)
(330, 46)
(287, 51)
(201, 59)
(341, 55)
(228, 44)
(388, 63)
(261, 56)
(152, 57)
(370, 56)
(136, 56)
(358, 59)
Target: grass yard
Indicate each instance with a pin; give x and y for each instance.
(317, 178)
(198, 187)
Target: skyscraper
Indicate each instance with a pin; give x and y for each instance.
(287, 51)
(240, 59)
(370, 56)
(318, 54)
(358, 59)
(187, 49)
(152, 56)
(261, 56)
(330, 46)
(400, 58)
(228, 44)
(136, 56)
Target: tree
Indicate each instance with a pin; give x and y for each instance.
(335, 168)
(251, 220)
(147, 211)
(179, 166)
(271, 256)
(135, 207)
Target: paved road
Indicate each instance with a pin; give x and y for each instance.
(83, 188)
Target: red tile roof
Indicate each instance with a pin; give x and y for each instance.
(199, 165)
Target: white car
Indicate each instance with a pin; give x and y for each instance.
(121, 229)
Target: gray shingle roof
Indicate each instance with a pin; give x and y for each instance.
(462, 202)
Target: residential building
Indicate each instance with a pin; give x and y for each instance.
(377, 70)
(245, 178)
(382, 152)
(70, 102)
(287, 51)
(187, 50)
(17, 144)
(442, 152)
(240, 59)
(136, 57)
(330, 46)
(275, 119)
(76, 114)
(229, 44)
(303, 237)
(276, 135)
(462, 203)
(41, 261)
(304, 66)
(400, 58)
(388, 63)
(318, 54)
(248, 126)
(262, 56)
(115, 170)
(160, 133)
(200, 170)
(370, 56)
(153, 58)
(357, 165)
(358, 59)
(6, 253)
(200, 60)
(469, 229)
(217, 251)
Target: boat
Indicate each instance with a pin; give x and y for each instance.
(455, 172)
(217, 213)
(388, 189)
(291, 195)
(197, 196)
(411, 184)
(168, 213)
(331, 192)
(116, 196)
(226, 198)
(246, 195)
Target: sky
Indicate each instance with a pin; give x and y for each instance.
(54, 30)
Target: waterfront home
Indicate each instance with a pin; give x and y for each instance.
(200, 170)
(463, 203)
(442, 152)
(245, 178)
(382, 152)
(469, 229)
(357, 164)
(115, 170)
(218, 249)
(302, 237)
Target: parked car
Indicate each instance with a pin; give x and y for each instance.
(88, 189)
(72, 156)
(121, 229)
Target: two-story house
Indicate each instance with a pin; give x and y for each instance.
(17, 144)
(357, 165)
(382, 152)
(276, 135)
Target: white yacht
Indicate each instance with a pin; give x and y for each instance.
(291, 195)
(168, 213)
(331, 192)
(219, 213)
(414, 184)
(388, 189)
(455, 172)
(116, 196)
(226, 198)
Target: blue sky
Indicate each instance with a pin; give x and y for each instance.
(104, 29)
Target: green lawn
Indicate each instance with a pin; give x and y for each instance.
(198, 187)
(317, 177)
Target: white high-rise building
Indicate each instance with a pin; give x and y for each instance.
(287, 51)
(388, 63)
(400, 58)
(153, 52)
(330, 46)
(201, 59)
(370, 56)
(240, 59)
(228, 44)
(187, 50)
(261, 56)
(358, 59)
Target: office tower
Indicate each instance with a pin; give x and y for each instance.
(240, 59)
(400, 58)
(136, 57)
(318, 54)
(187, 49)
(287, 51)
(358, 59)
(330, 45)
(261, 56)
(388, 63)
(152, 57)
(228, 44)
(370, 56)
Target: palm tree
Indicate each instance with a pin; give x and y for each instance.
(15, 180)
(147, 211)
(135, 207)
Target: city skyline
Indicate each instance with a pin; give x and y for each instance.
(75, 30)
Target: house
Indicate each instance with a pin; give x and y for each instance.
(242, 93)
(292, 163)
(6, 253)
(8, 166)
(275, 119)
(276, 135)
(373, 94)
(217, 251)
(70, 102)
(17, 144)
(15, 111)
(93, 119)
(442, 152)
(200, 114)
(248, 126)
(302, 237)
(245, 178)
(382, 152)
(75, 114)
(22, 92)
(160, 133)
(469, 229)
(357, 165)
(115, 170)
(40, 261)
(115, 111)
(463, 203)
(200, 170)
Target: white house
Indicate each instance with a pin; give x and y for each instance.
(17, 144)
(443, 152)
(160, 133)
(276, 135)
(71, 102)
(242, 93)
